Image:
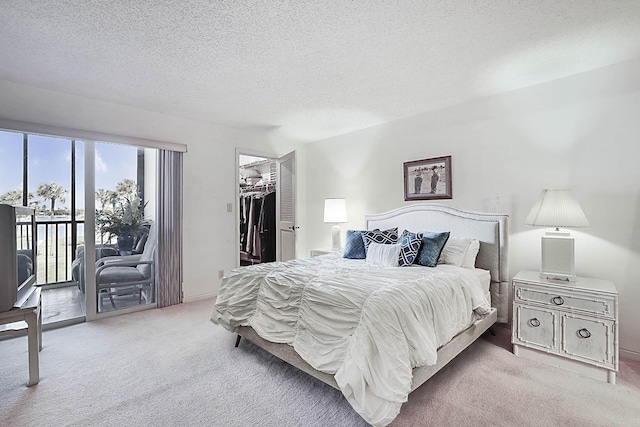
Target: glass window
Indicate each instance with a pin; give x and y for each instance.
(49, 181)
(49, 176)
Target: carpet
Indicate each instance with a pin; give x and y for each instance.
(171, 366)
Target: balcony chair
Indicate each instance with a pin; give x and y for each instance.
(102, 251)
(128, 275)
(77, 268)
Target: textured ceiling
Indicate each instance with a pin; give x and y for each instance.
(307, 69)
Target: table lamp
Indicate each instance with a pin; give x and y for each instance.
(557, 208)
(335, 211)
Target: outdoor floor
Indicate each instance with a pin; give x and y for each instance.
(60, 304)
(67, 303)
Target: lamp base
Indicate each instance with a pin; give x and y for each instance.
(558, 259)
(335, 238)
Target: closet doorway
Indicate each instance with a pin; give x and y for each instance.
(266, 208)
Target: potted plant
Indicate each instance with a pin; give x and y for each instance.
(126, 221)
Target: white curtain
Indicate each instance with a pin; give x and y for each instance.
(169, 221)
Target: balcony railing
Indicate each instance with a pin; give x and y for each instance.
(56, 247)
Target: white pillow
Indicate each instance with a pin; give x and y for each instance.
(383, 255)
(469, 260)
(455, 251)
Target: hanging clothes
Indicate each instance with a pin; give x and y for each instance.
(243, 224)
(267, 227)
(257, 227)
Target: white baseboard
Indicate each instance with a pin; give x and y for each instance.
(200, 297)
(630, 355)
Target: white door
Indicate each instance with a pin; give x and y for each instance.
(285, 207)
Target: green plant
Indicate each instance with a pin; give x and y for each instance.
(126, 219)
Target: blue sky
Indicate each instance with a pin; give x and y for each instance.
(50, 161)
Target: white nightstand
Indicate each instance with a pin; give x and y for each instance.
(317, 252)
(572, 325)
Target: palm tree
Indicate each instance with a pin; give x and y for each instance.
(113, 198)
(127, 188)
(103, 197)
(14, 197)
(53, 192)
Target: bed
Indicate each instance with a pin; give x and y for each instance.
(374, 374)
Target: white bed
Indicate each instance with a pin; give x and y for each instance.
(370, 379)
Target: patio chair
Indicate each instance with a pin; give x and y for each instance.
(77, 267)
(102, 251)
(128, 275)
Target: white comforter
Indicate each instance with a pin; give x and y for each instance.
(367, 325)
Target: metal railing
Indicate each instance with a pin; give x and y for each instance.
(56, 247)
(56, 250)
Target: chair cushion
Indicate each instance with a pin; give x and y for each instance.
(119, 275)
(139, 247)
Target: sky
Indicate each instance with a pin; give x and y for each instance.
(50, 161)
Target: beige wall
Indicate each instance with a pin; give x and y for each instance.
(581, 132)
(210, 175)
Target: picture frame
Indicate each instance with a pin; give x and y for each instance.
(428, 179)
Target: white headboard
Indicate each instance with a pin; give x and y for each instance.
(492, 230)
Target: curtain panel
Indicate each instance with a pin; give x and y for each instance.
(169, 262)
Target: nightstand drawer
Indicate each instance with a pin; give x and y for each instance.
(535, 326)
(601, 305)
(588, 339)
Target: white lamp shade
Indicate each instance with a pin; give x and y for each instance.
(556, 208)
(335, 210)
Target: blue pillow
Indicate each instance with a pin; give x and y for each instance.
(432, 244)
(409, 246)
(354, 245)
(386, 237)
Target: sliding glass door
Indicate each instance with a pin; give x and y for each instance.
(79, 189)
(39, 171)
(125, 235)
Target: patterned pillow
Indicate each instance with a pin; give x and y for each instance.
(354, 245)
(409, 246)
(386, 237)
(432, 244)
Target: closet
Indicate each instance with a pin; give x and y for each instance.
(257, 210)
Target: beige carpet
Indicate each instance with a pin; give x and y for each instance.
(172, 367)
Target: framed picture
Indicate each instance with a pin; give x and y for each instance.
(428, 179)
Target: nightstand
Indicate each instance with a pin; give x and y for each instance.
(572, 325)
(317, 252)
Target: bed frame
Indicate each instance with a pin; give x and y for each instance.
(492, 232)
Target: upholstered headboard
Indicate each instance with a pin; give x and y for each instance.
(492, 230)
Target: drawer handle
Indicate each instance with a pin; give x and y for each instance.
(534, 322)
(584, 333)
(558, 300)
